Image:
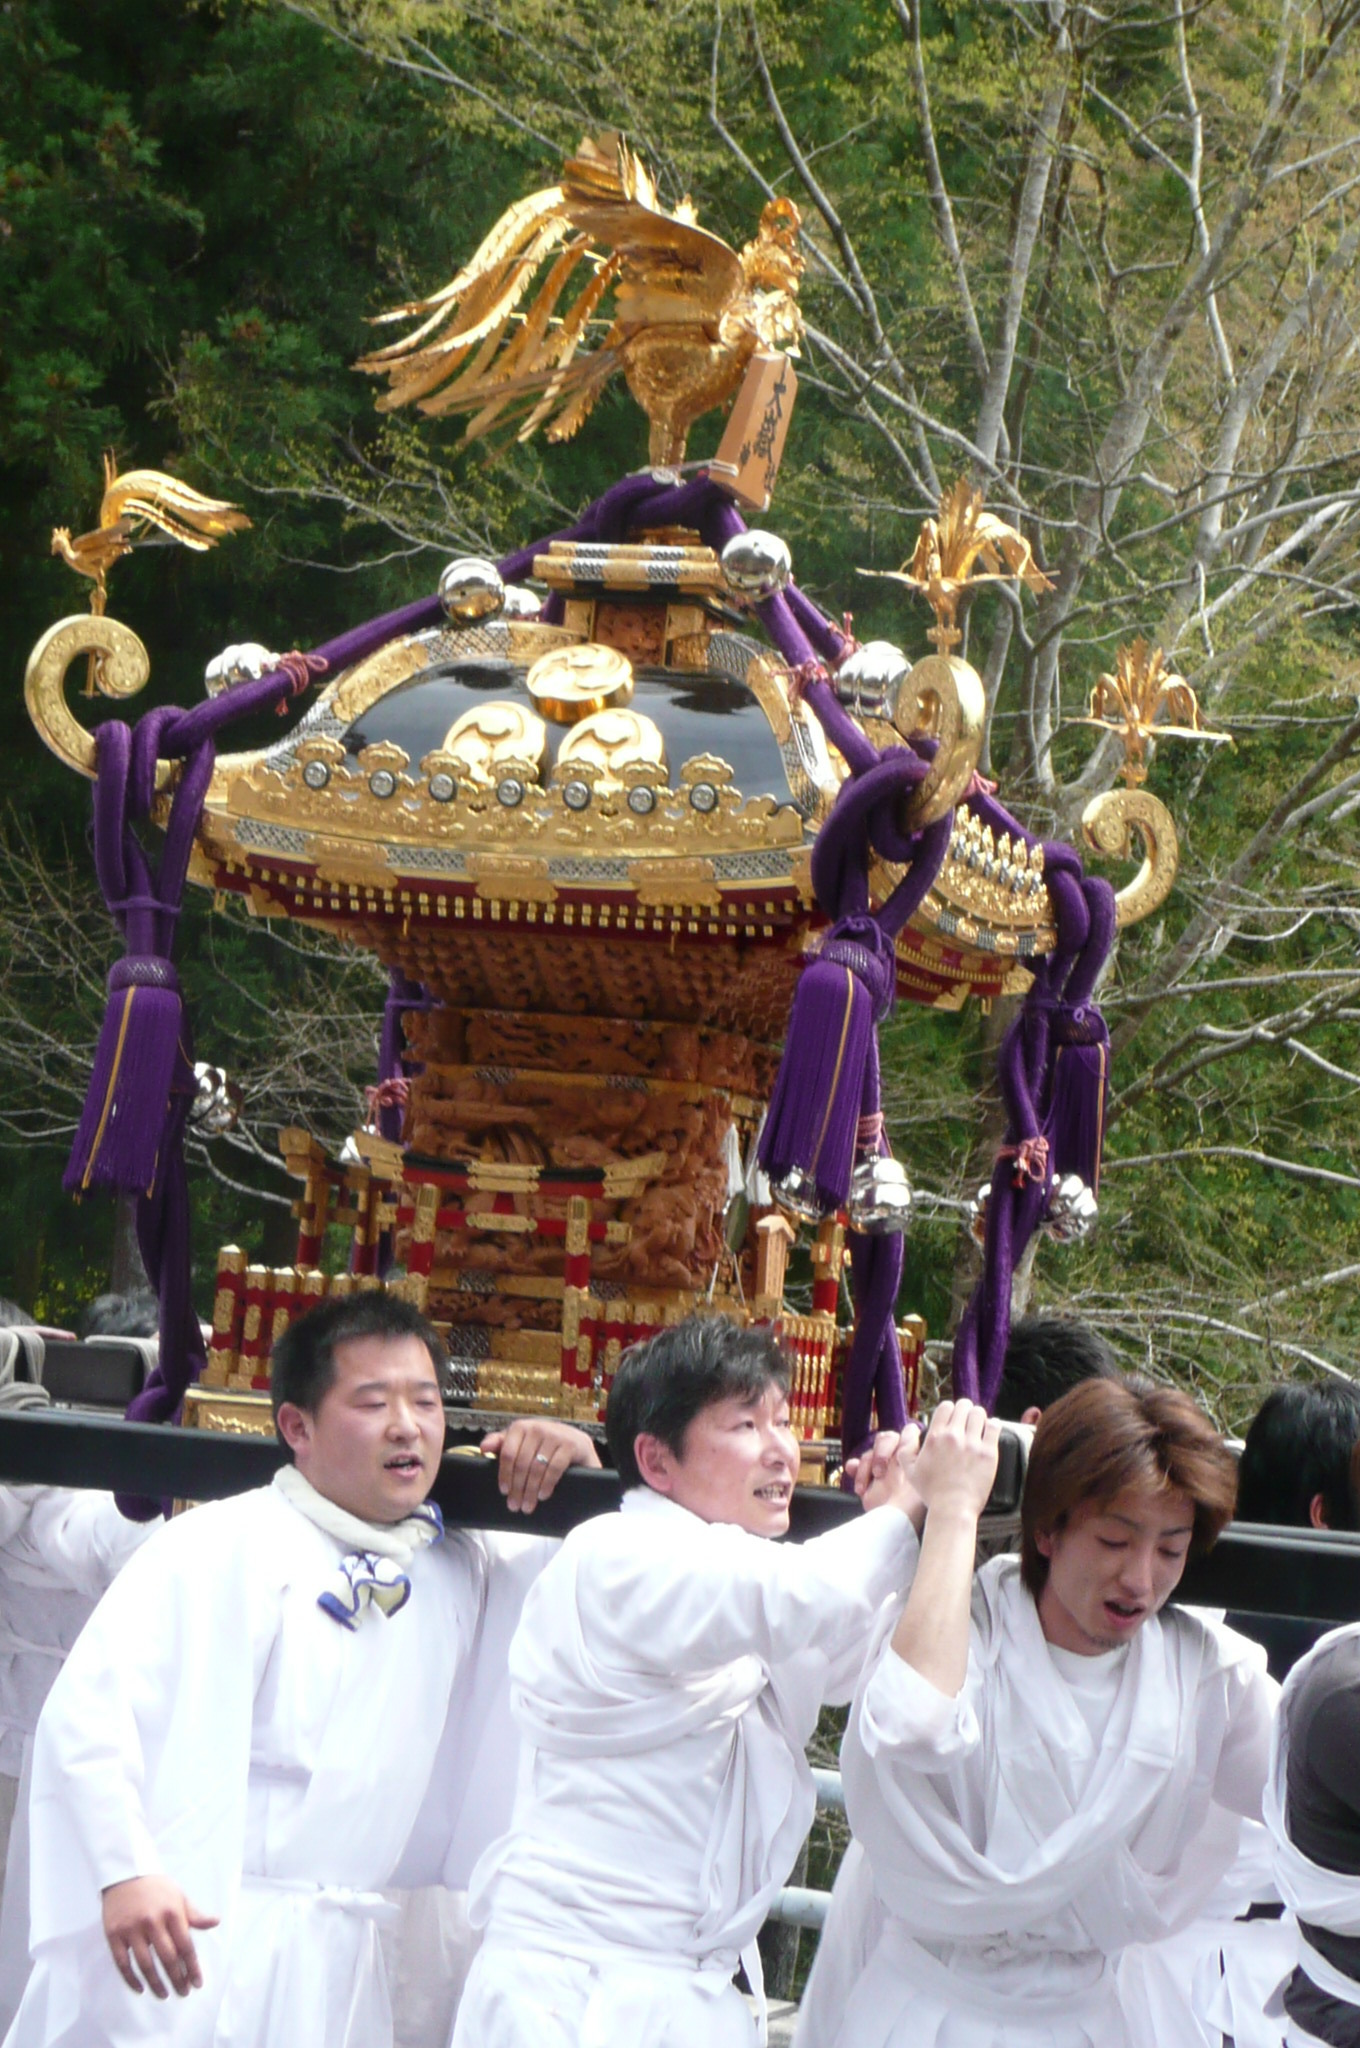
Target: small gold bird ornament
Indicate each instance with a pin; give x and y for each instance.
(688, 312)
(132, 503)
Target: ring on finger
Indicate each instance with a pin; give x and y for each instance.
(542, 1458)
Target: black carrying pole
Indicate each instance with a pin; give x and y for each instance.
(1310, 1574)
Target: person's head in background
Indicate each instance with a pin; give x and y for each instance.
(1295, 1469)
(1045, 1358)
(1355, 1484)
(121, 1315)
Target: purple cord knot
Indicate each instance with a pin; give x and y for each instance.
(861, 944)
(142, 970)
(1077, 1026)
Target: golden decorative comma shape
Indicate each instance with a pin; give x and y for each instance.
(569, 683)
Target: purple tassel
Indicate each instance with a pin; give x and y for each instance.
(118, 1144)
(1076, 1117)
(815, 1109)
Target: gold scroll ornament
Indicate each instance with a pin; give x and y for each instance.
(121, 667)
(493, 737)
(1108, 824)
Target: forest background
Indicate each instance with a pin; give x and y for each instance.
(1101, 259)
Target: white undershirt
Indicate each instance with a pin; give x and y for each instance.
(1093, 1683)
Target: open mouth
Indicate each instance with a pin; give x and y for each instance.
(1122, 1614)
(406, 1463)
(778, 1493)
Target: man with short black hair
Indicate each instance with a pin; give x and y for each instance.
(667, 1672)
(232, 1762)
(1294, 1473)
(1294, 1470)
(121, 1315)
(1046, 1356)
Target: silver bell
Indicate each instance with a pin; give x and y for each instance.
(977, 1213)
(217, 1103)
(756, 564)
(864, 681)
(880, 1198)
(243, 664)
(1072, 1210)
(471, 589)
(521, 603)
(797, 1192)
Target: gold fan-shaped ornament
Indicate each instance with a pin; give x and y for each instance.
(1131, 702)
(948, 550)
(506, 340)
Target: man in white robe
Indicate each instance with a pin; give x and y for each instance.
(1032, 1758)
(1313, 1814)
(232, 1762)
(667, 1673)
(60, 1550)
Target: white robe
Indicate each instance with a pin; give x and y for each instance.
(1214, 1980)
(1011, 1855)
(1317, 1895)
(213, 1723)
(666, 1676)
(60, 1549)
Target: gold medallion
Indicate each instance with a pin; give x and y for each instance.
(492, 734)
(611, 741)
(569, 683)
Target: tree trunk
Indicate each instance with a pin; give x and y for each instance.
(127, 1274)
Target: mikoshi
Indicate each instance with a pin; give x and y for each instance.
(649, 845)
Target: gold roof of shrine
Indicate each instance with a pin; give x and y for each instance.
(616, 809)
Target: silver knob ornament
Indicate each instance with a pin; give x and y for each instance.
(1072, 1210)
(880, 1198)
(521, 603)
(217, 1102)
(865, 680)
(797, 1192)
(977, 1213)
(756, 564)
(245, 663)
(471, 589)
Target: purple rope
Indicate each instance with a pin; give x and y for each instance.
(1057, 1012)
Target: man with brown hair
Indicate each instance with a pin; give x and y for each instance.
(1031, 1761)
